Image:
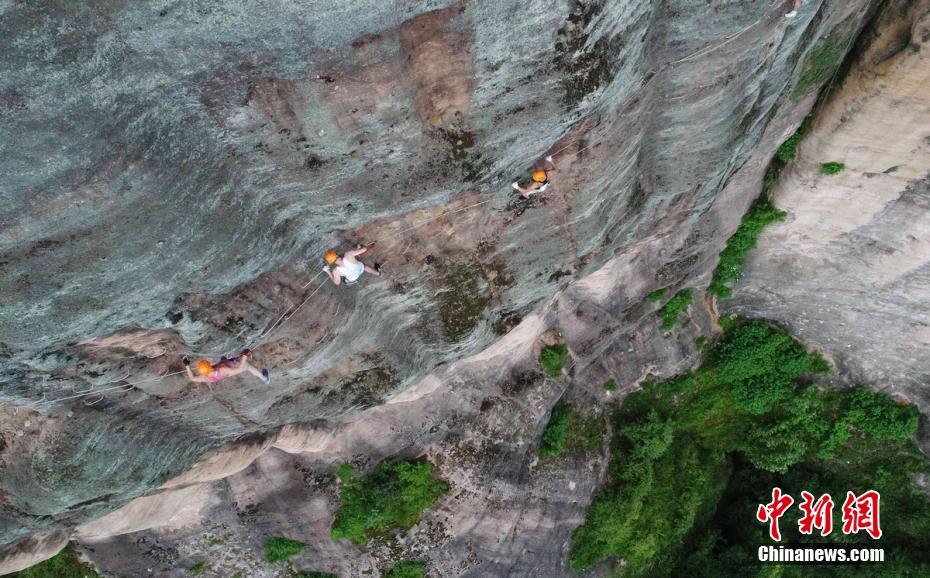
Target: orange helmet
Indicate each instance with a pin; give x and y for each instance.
(330, 256)
(539, 176)
(204, 367)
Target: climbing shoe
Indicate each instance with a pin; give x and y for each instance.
(265, 376)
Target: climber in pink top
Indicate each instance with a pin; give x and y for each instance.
(211, 373)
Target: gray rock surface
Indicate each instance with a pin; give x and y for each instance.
(173, 171)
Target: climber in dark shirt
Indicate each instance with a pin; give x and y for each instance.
(540, 180)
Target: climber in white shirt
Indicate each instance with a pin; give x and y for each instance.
(348, 267)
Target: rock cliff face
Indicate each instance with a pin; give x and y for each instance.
(172, 173)
(850, 269)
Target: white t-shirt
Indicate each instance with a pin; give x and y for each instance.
(351, 271)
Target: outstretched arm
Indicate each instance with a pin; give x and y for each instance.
(192, 377)
(526, 192)
(552, 167)
(356, 252)
(336, 278)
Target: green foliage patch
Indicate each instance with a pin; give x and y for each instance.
(657, 295)
(552, 358)
(392, 496)
(822, 63)
(692, 457)
(64, 564)
(610, 385)
(279, 549)
(568, 429)
(199, 568)
(555, 434)
(730, 268)
(789, 149)
(832, 168)
(407, 569)
(669, 312)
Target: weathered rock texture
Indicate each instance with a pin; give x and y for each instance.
(172, 172)
(849, 271)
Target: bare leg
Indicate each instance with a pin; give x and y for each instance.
(246, 366)
(372, 270)
(243, 366)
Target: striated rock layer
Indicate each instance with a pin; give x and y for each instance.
(171, 174)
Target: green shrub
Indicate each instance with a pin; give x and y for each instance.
(730, 267)
(881, 416)
(610, 385)
(822, 63)
(657, 295)
(199, 568)
(552, 358)
(392, 496)
(407, 570)
(760, 215)
(684, 451)
(832, 168)
(64, 564)
(669, 312)
(281, 549)
(665, 481)
(568, 429)
(555, 434)
(789, 149)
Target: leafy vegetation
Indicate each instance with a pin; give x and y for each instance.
(693, 457)
(822, 63)
(392, 496)
(64, 564)
(789, 149)
(552, 358)
(199, 568)
(406, 569)
(657, 295)
(760, 215)
(669, 312)
(610, 385)
(568, 429)
(556, 432)
(279, 549)
(730, 268)
(832, 168)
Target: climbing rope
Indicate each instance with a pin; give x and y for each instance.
(127, 386)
